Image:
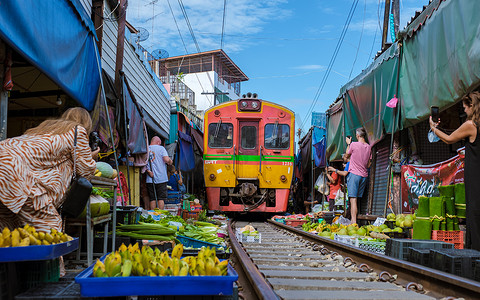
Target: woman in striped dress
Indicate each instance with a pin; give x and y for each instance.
(36, 170)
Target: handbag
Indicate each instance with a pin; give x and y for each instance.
(79, 191)
(181, 187)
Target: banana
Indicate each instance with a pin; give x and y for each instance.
(49, 238)
(161, 270)
(177, 251)
(99, 269)
(122, 248)
(201, 263)
(23, 232)
(24, 242)
(64, 238)
(176, 266)
(209, 266)
(184, 268)
(200, 271)
(223, 264)
(151, 273)
(41, 235)
(1, 241)
(6, 232)
(15, 238)
(45, 243)
(126, 268)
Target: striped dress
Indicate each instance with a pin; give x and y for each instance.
(35, 172)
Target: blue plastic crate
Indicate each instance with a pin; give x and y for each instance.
(42, 252)
(174, 197)
(155, 286)
(194, 243)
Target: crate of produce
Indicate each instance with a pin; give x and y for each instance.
(248, 237)
(155, 285)
(194, 243)
(174, 197)
(127, 214)
(346, 239)
(372, 246)
(460, 262)
(174, 209)
(33, 273)
(295, 223)
(453, 237)
(398, 248)
(476, 271)
(190, 214)
(43, 252)
(419, 256)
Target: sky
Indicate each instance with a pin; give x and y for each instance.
(284, 46)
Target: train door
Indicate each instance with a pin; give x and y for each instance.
(248, 149)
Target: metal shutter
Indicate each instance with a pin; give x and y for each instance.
(381, 177)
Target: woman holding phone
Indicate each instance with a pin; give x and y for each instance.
(469, 132)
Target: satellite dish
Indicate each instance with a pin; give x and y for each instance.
(159, 54)
(142, 35)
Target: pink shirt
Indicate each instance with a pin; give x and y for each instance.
(360, 155)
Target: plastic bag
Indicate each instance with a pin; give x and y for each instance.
(322, 184)
(339, 198)
(342, 220)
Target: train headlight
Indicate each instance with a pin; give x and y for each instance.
(283, 178)
(244, 104)
(212, 177)
(255, 105)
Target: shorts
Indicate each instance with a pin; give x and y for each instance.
(356, 185)
(160, 189)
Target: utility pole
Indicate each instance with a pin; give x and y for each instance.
(396, 15)
(120, 45)
(385, 23)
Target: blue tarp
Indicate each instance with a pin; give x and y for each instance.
(57, 37)
(186, 158)
(319, 153)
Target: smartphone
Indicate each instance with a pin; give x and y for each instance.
(434, 112)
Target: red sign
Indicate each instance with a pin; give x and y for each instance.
(424, 180)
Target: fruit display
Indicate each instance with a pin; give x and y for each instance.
(105, 170)
(28, 236)
(147, 231)
(99, 206)
(402, 220)
(329, 230)
(132, 261)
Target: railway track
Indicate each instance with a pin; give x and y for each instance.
(292, 264)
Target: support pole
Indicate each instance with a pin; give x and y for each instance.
(126, 136)
(3, 95)
(385, 23)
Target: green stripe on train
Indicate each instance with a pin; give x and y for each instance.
(248, 157)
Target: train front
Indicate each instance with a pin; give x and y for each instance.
(248, 155)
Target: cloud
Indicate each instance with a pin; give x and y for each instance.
(245, 17)
(311, 67)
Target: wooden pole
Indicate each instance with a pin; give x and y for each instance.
(385, 23)
(120, 45)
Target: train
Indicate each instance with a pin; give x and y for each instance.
(248, 155)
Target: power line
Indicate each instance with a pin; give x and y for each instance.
(332, 60)
(223, 22)
(360, 40)
(185, 16)
(185, 46)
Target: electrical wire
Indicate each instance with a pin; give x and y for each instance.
(360, 40)
(185, 16)
(185, 47)
(223, 22)
(333, 58)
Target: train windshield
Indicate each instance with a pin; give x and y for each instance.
(249, 137)
(220, 135)
(277, 136)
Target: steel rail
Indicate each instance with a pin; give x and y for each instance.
(259, 283)
(409, 274)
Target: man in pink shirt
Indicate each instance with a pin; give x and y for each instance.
(359, 154)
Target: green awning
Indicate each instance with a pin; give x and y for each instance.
(441, 58)
(335, 134)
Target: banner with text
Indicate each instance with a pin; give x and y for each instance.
(424, 180)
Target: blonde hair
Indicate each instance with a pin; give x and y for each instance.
(70, 118)
(473, 100)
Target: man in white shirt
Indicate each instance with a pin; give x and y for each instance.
(157, 173)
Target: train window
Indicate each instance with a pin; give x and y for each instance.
(277, 136)
(249, 137)
(220, 135)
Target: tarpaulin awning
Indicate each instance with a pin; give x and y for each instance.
(153, 125)
(367, 95)
(186, 159)
(137, 141)
(335, 133)
(441, 61)
(57, 37)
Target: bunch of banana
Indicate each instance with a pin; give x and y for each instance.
(148, 262)
(27, 236)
